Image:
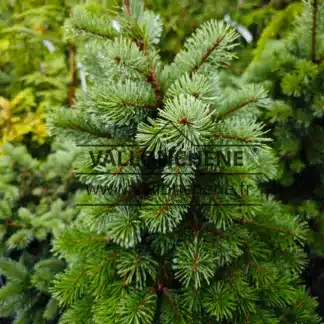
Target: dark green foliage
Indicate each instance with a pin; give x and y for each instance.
(292, 69)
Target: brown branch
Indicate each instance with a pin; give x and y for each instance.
(109, 258)
(217, 201)
(319, 61)
(125, 163)
(184, 121)
(218, 232)
(11, 223)
(171, 300)
(165, 272)
(238, 138)
(314, 27)
(124, 280)
(127, 7)
(137, 105)
(93, 239)
(251, 261)
(165, 205)
(300, 304)
(196, 261)
(115, 204)
(152, 78)
(222, 172)
(96, 33)
(85, 130)
(144, 300)
(206, 55)
(118, 61)
(244, 220)
(77, 280)
(73, 75)
(237, 107)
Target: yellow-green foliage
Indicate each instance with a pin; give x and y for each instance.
(279, 24)
(258, 16)
(33, 77)
(18, 117)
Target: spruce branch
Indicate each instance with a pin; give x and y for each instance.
(75, 280)
(118, 102)
(166, 204)
(251, 261)
(65, 121)
(94, 239)
(98, 268)
(152, 75)
(125, 163)
(93, 32)
(237, 107)
(127, 7)
(89, 131)
(15, 271)
(73, 74)
(252, 97)
(205, 56)
(162, 213)
(232, 137)
(115, 204)
(138, 306)
(152, 78)
(244, 220)
(210, 44)
(89, 24)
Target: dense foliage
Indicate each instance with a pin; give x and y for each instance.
(292, 70)
(37, 202)
(36, 67)
(37, 192)
(139, 255)
(197, 134)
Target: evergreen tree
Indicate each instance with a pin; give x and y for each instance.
(162, 243)
(37, 203)
(292, 69)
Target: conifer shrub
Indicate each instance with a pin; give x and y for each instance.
(37, 201)
(292, 70)
(155, 241)
(37, 191)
